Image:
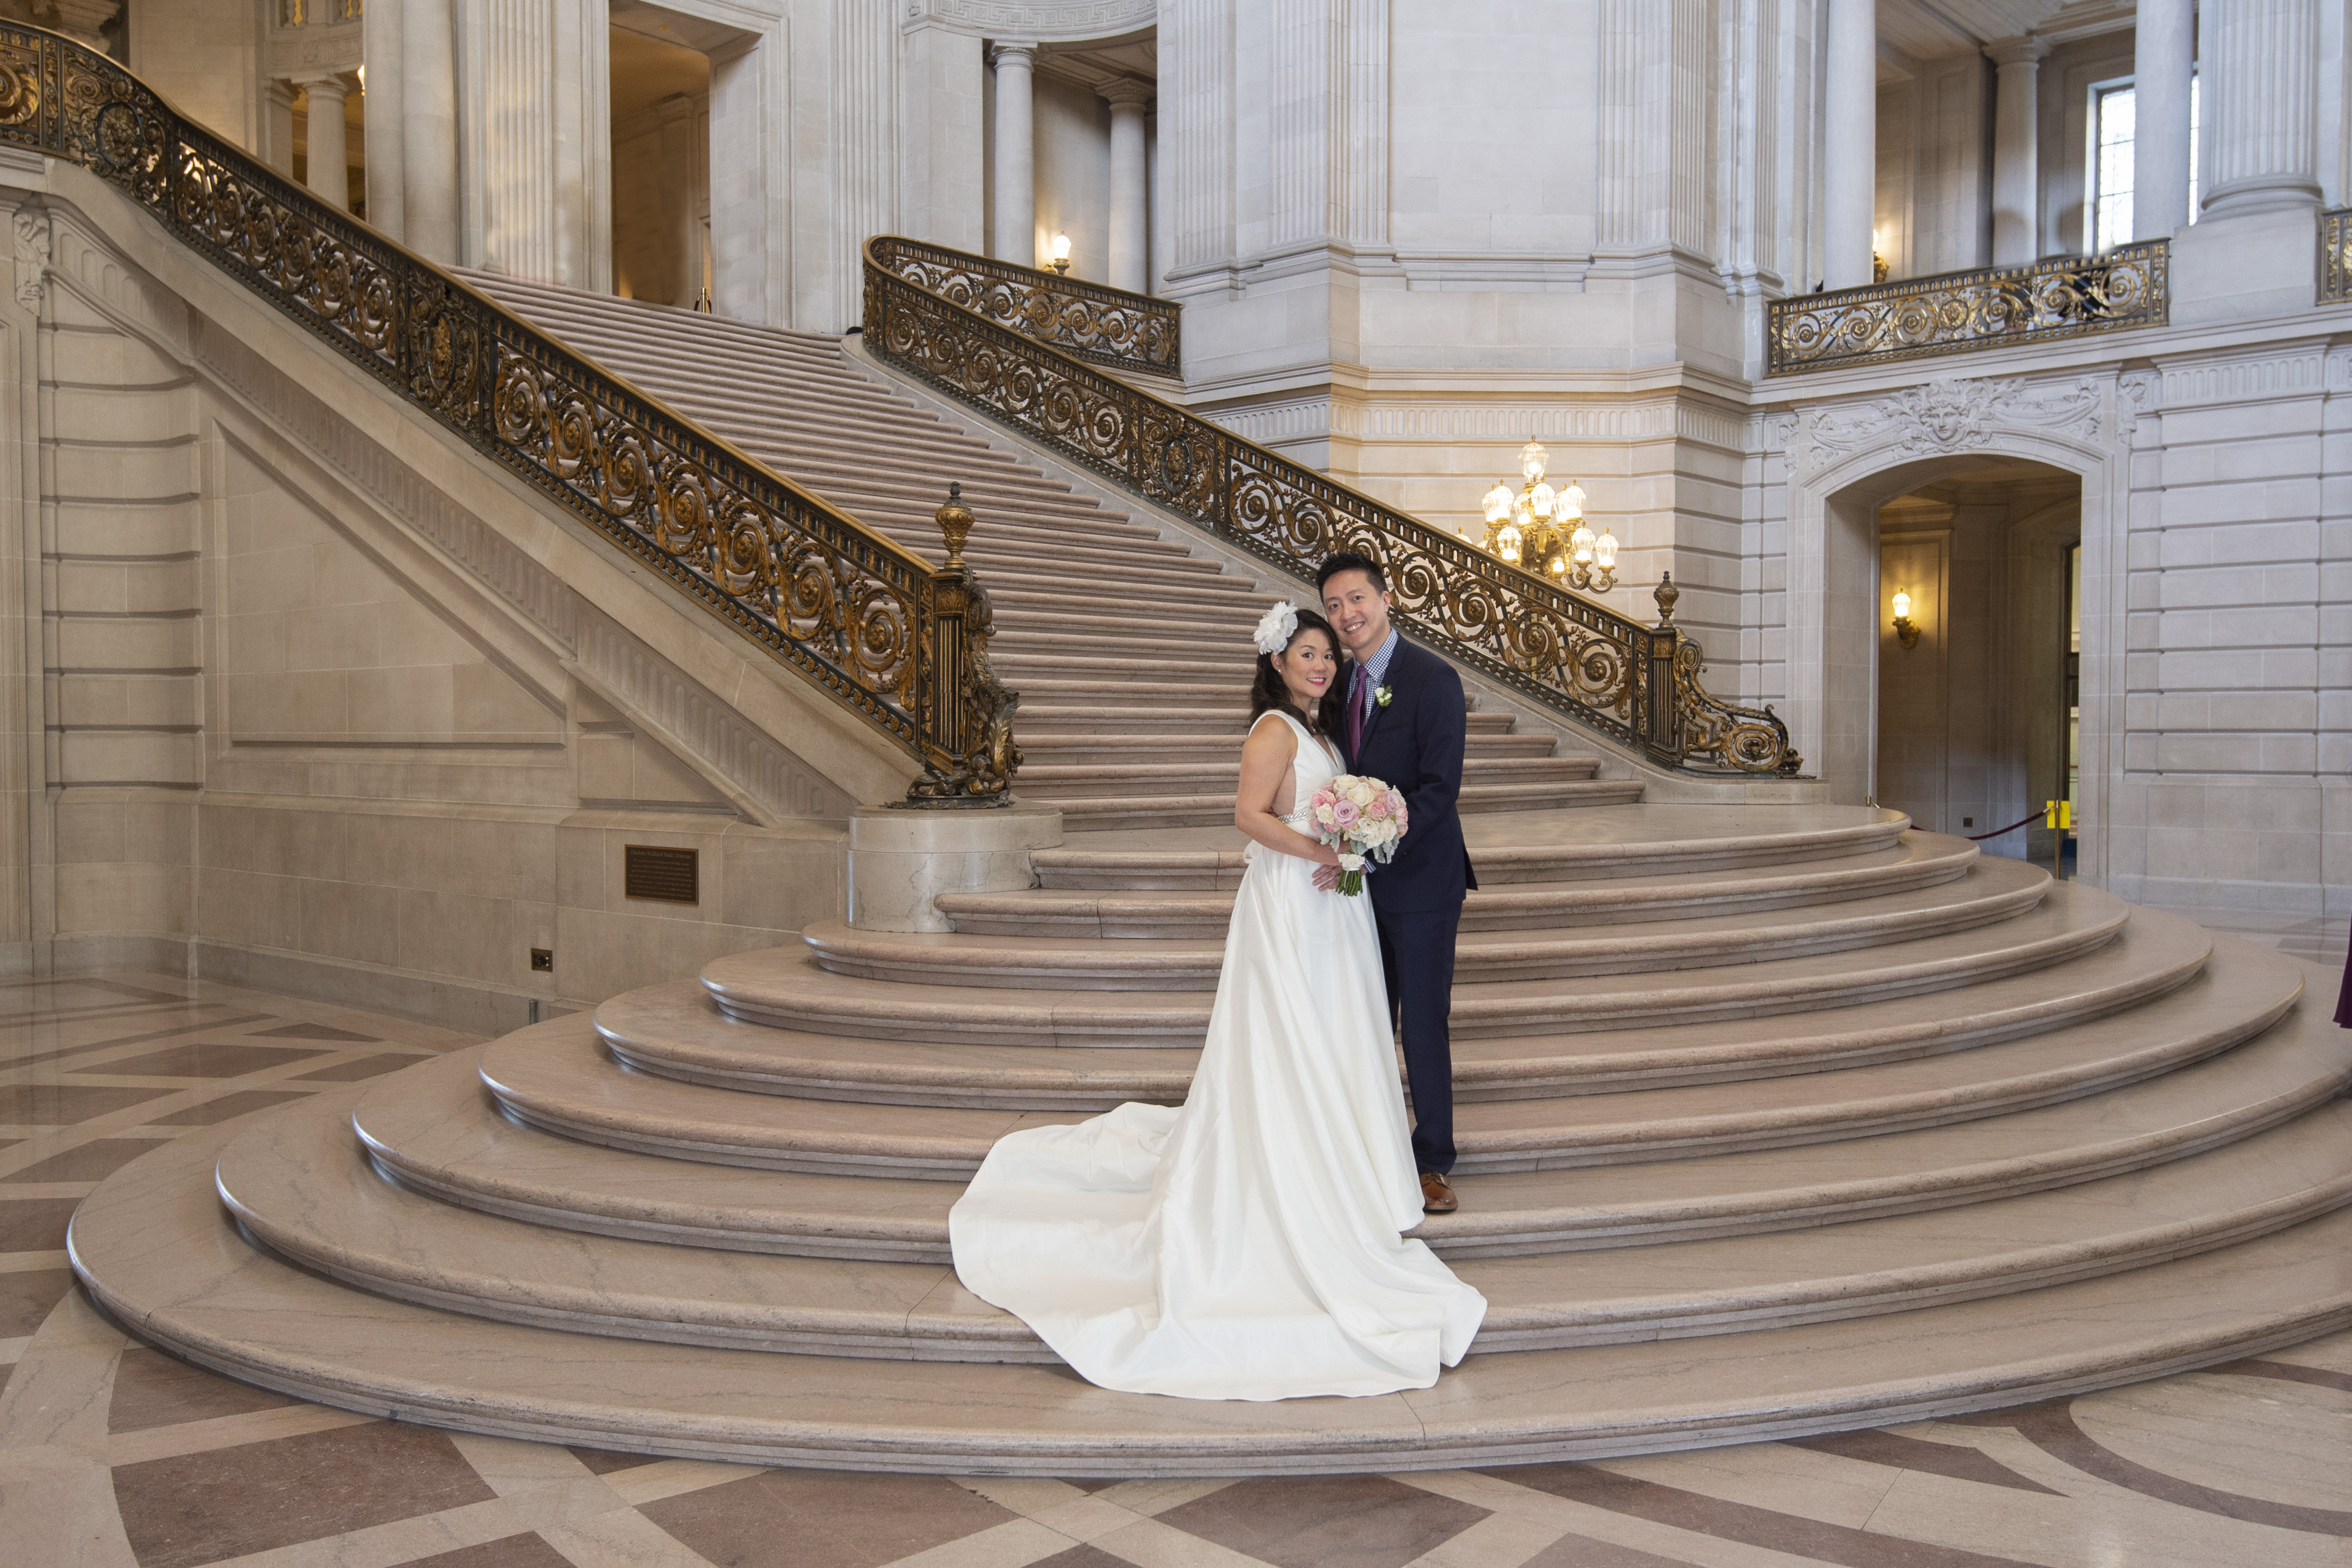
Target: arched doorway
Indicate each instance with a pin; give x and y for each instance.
(1977, 701)
(1966, 725)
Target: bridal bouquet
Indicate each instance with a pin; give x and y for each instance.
(1363, 818)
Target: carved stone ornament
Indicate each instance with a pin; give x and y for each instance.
(31, 230)
(1950, 413)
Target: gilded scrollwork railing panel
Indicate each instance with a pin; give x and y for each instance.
(895, 640)
(2335, 257)
(2062, 296)
(1639, 685)
(1092, 322)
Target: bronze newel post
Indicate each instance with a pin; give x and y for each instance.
(969, 752)
(1661, 722)
(952, 589)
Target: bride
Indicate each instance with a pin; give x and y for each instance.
(1248, 1245)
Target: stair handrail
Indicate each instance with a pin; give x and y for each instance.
(895, 640)
(1092, 322)
(1639, 685)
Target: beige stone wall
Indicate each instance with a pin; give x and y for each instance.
(293, 709)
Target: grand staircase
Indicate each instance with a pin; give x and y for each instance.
(1774, 1120)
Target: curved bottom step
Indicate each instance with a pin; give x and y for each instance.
(155, 1248)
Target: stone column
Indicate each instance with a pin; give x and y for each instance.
(1130, 188)
(2016, 167)
(2261, 107)
(277, 126)
(2163, 56)
(1850, 157)
(1014, 232)
(328, 173)
(387, 195)
(428, 130)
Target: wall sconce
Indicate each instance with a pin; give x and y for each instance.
(1877, 258)
(1906, 630)
(1062, 253)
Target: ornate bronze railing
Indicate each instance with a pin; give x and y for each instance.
(2335, 257)
(1108, 325)
(1637, 685)
(1991, 308)
(870, 622)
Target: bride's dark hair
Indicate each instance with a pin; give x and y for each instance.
(1268, 692)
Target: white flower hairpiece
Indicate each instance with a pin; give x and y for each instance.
(1274, 627)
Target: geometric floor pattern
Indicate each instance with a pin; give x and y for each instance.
(116, 1455)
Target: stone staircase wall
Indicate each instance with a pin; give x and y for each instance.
(306, 696)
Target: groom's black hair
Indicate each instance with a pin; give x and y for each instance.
(1351, 560)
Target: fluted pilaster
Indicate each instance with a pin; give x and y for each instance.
(2261, 107)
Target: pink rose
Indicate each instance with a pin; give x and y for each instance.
(1346, 813)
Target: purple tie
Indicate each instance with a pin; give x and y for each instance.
(1356, 713)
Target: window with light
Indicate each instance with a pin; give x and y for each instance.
(2114, 123)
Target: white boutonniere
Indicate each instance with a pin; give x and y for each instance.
(1380, 695)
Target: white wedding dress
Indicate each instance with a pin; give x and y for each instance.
(1246, 1246)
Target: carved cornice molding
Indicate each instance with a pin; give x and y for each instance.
(1055, 20)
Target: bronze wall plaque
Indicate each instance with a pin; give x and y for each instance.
(662, 874)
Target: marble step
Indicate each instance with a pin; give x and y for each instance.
(1157, 812)
(1228, 722)
(1225, 650)
(438, 1134)
(157, 1250)
(1985, 892)
(1112, 741)
(1593, 845)
(1134, 679)
(435, 1137)
(1921, 860)
(298, 1184)
(675, 1031)
(1060, 585)
(563, 1079)
(786, 985)
(1057, 780)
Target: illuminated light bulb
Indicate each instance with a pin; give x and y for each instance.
(1541, 499)
(1579, 544)
(1559, 565)
(1903, 607)
(1604, 549)
(1061, 253)
(1499, 502)
(1571, 502)
(1532, 458)
(1507, 541)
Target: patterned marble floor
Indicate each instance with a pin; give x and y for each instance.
(114, 1454)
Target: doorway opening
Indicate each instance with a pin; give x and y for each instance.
(661, 159)
(1978, 697)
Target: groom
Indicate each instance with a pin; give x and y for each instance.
(1405, 721)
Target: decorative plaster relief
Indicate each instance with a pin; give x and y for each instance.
(32, 243)
(766, 772)
(1950, 413)
(2138, 395)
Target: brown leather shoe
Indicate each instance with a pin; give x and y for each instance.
(1436, 1196)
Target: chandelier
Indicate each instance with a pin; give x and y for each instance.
(1544, 530)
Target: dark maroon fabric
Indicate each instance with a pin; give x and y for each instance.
(2344, 997)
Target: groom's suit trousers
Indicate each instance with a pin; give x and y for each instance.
(1421, 995)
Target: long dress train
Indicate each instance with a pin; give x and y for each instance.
(1247, 1245)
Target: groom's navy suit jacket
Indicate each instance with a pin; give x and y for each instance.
(1415, 743)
